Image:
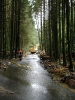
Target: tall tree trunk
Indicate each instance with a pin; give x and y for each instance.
(60, 49)
(12, 29)
(54, 28)
(1, 6)
(63, 33)
(44, 27)
(41, 42)
(4, 27)
(49, 28)
(68, 35)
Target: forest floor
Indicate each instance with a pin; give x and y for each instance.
(59, 73)
(3, 66)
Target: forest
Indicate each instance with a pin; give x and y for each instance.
(24, 23)
(17, 29)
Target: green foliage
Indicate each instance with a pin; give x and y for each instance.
(28, 32)
(17, 29)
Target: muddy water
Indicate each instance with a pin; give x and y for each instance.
(27, 80)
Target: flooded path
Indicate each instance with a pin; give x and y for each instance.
(27, 80)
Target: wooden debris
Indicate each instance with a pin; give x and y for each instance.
(55, 69)
(44, 57)
(72, 83)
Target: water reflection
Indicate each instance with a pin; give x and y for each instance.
(15, 73)
(32, 82)
(39, 88)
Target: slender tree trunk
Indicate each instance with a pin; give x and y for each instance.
(12, 29)
(60, 49)
(68, 35)
(63, 33)
(1, 28)
(41, 47)
(49, 28)
(44, 27)
(4, 28)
